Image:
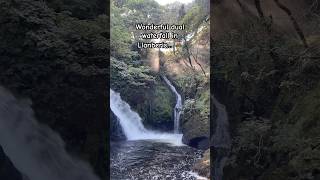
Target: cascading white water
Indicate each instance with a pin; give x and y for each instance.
(34, 149)
(130, 121)
(221, 139)
(132, 126)
(178, 106)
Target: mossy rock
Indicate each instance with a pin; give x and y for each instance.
(195, 121)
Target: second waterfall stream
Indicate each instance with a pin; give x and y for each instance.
(178, 106)
(149, 154)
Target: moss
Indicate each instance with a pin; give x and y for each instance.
(195, 120)
(163, 104)
(203, 103)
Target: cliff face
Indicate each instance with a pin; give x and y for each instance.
(59, 63)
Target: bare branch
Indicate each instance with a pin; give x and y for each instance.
(196, 60)
(258, 7)
(294, 22)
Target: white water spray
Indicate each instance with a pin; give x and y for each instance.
(34, 149)
(132, 126)
(221, 139)
(178, 106)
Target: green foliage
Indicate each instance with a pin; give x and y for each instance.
(60, 62)
(195, 117)
(120, 43)
(203, 103)
(81, 9)
(140, 87)
(195, 16)
(199, 106)
(133, 12)
(160, 101)
(191, 82)
(272, 83)
(129, 77)
(163, 106)
(124, 16)
(298, 134)
(149, 10)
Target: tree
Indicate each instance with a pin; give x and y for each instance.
(182, 12)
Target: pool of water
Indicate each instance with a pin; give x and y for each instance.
(152, 160)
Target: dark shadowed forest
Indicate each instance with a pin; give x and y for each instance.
(55, 53)
(265, 58)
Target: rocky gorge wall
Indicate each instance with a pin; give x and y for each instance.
(269, 87)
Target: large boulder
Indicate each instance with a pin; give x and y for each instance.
(195, 122)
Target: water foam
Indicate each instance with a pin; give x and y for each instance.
(34, 149)
(132, 126)
(178, 106)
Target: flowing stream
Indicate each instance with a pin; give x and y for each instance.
(148, 154)
(34, 149)
(221, 139)
(178, 106)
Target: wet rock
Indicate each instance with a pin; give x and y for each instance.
(7, 170)
(199, 142)
(116, 133)
(195, 130)
(202, 167)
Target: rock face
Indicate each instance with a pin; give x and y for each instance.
(153, 103)
(195, 122)
(116, 133)
(195, 133)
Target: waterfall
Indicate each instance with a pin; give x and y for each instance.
(131, 123)
(221, 139)
(34, 149)
(178, 106)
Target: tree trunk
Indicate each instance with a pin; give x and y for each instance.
(294, 22)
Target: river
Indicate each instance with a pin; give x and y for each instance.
(152, 160)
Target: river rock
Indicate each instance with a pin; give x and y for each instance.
(202, 167)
